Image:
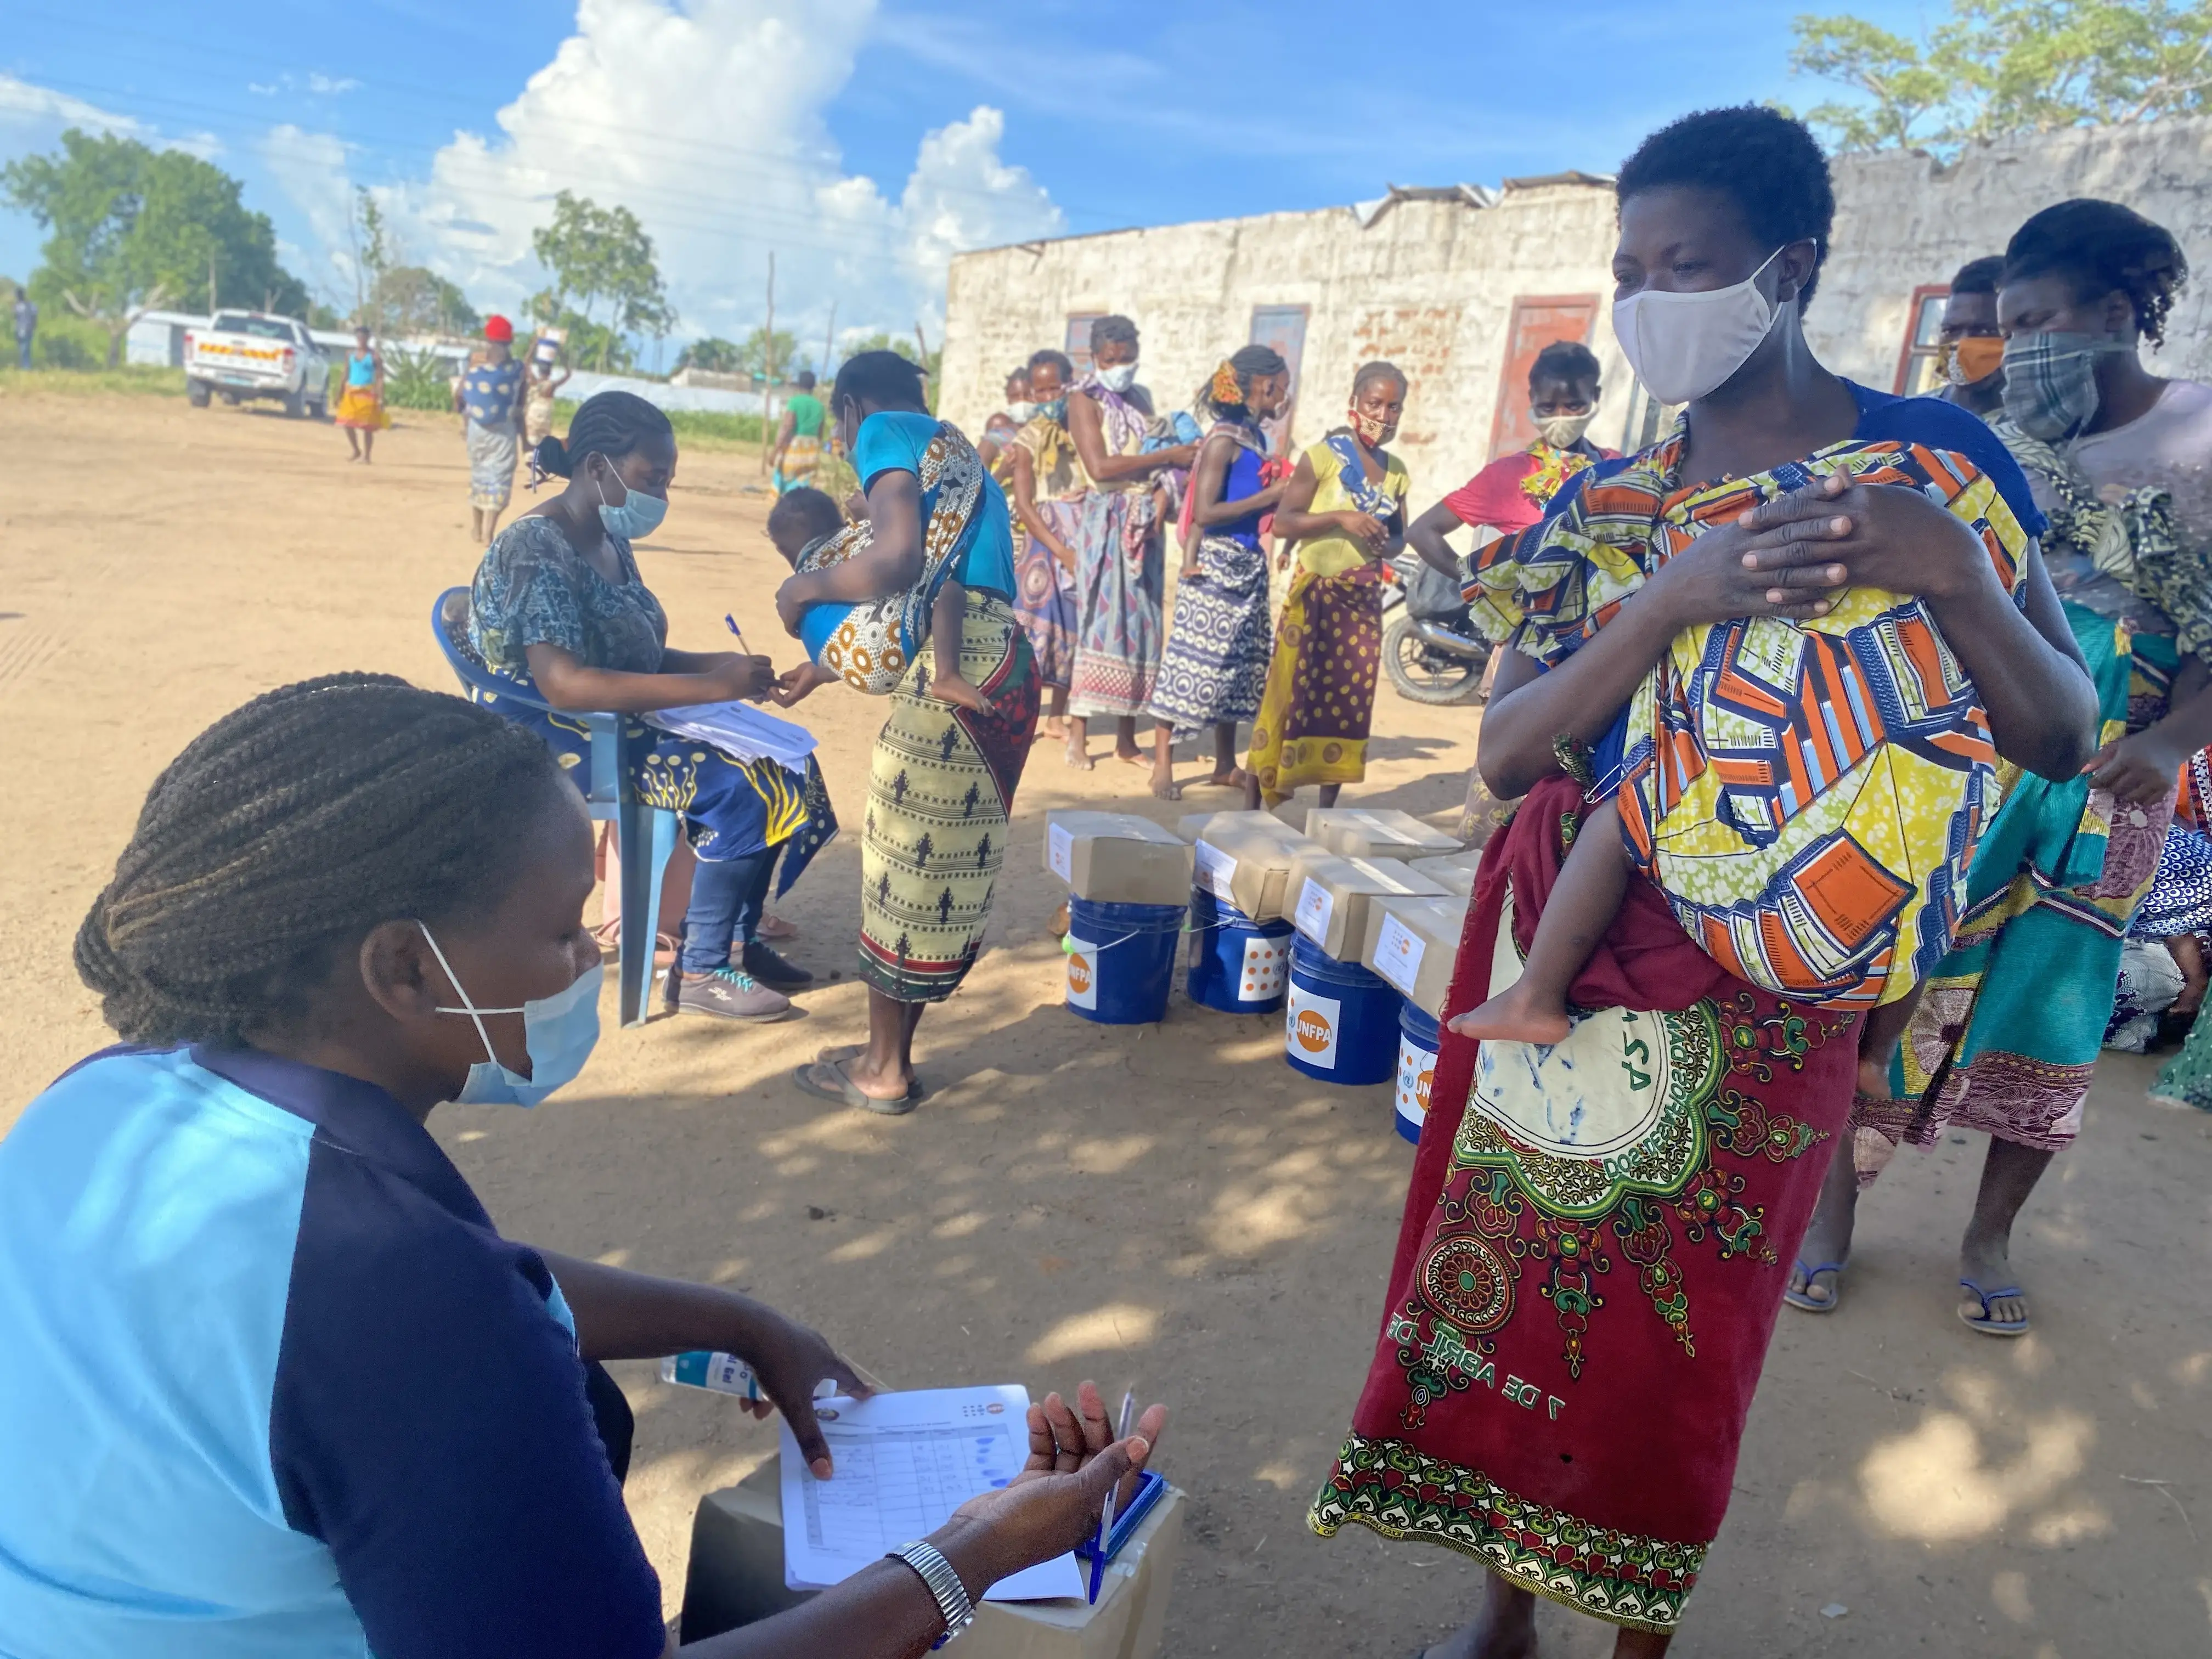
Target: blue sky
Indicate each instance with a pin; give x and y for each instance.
(864, 142)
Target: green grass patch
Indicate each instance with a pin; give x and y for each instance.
(83, 382)
(709, 428)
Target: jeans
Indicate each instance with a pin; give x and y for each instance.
(728, 896)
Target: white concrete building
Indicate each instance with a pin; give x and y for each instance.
(1461, 285)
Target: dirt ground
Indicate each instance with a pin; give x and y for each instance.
(1171, 1209)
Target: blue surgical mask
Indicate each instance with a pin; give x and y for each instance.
(559, 1032)
(636, 515)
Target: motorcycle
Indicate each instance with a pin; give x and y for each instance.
(1429, 648)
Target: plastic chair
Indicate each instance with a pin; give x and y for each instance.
(607, 796)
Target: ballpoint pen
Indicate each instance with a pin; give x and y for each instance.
(738, 631)
(1106, 1510)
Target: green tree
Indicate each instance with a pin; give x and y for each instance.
(713, 354)
(132, 228)
(414, 300)
(769, 356)
(602, 264)
(2000, 67)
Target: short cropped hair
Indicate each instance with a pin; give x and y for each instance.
(1979, 275)
(1569, 361)
(1769, 164)
(1111, 330)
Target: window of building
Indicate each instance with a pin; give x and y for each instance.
(1918, 373)
(1079, 339)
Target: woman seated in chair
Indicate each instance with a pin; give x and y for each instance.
(559, 607)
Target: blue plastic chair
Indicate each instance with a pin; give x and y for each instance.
(652, 829)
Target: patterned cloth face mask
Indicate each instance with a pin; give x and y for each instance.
(1374, 430)
(2050, 381)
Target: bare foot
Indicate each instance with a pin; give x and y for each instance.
(1164, 786)
(1078, 755)
(1517, 1014)
(1053, 726)
(1232, 778)
(1132, 757)
(1874, 1078)
(950, 688)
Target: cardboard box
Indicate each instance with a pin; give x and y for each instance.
(1117, 858)
(736, 1578)
(1195, 826)
(1364, 832)
(1249, 867)
(1412, 943)
(1330, 893)
(1454, 872)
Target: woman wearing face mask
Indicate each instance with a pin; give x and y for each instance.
(1120, 574)
(558, 605)
(1971, 346)
(1344, 509)
(1046, 485)
(1511, 493)
(1215, 665)
(275, 1383)
(1007, 420)
(2121, 461)
(1598, 1234)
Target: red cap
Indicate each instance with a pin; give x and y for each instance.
(497, 328)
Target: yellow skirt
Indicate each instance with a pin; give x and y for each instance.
(362, 409)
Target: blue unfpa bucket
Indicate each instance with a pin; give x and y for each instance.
(1236, 964)
(1419, 1039)
(1121, 960)
(1340, 1022)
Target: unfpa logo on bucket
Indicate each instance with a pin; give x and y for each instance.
(1311, 1032)
(1079, 975)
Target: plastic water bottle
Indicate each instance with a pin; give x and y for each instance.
(722, 1373)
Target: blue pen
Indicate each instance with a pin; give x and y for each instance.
(738, 631)
(1106, 1511)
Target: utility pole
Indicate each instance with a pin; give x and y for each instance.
(210, 284)
(768, 370)
(829, 340)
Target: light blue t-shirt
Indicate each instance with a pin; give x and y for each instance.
(895, 441)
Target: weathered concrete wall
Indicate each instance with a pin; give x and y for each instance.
(1904, 220)
(1431, 284)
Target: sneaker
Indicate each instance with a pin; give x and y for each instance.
(765, 966)
(728, 993)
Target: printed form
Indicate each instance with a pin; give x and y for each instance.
(904, 1462)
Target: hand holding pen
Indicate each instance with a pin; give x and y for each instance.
(1106, 1510)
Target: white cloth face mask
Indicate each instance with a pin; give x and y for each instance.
(1120, 378)
(1682, 346)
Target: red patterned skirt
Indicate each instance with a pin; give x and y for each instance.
(1594, 1251)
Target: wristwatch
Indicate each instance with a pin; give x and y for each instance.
(945, 1584)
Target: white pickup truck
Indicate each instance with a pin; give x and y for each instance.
(249, 354)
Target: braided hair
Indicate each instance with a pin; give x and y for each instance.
(611, 423)
(288, 829)
(2101, 247)
(1229, 392)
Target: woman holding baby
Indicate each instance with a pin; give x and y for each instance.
(1737, 654)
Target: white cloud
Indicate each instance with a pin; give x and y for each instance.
(329, 86)
(33, 117)
(706, 119)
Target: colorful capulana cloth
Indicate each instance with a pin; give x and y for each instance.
(493, 451)
(1214, 668)
(2012, 1019)
(1044, 588)
(1319, 704)
(2180, 897)
(940, 786)
(1808, 795)
(1119, 578)
(1595, 1245)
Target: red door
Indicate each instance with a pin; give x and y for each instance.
(1536, 322)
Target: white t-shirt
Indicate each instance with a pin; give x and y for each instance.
(2170, 447)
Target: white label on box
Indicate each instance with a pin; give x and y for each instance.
(1214, 870)
(1310, 1024)
(1082, 973)
(1060, 851)
(1315, 905)
(1266, 963)
(1397, 951)
(1417, 1067)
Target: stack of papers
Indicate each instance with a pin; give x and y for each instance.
(903, 1463)
(740, 729)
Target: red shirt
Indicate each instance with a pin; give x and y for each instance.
(1510, 494)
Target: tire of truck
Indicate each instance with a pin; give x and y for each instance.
(319, 409)
(296, 404)
(197, 393)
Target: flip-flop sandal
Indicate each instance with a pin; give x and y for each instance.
(846, 1093)
(1799, 1299)
(1985, 1324)
(775, 929)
